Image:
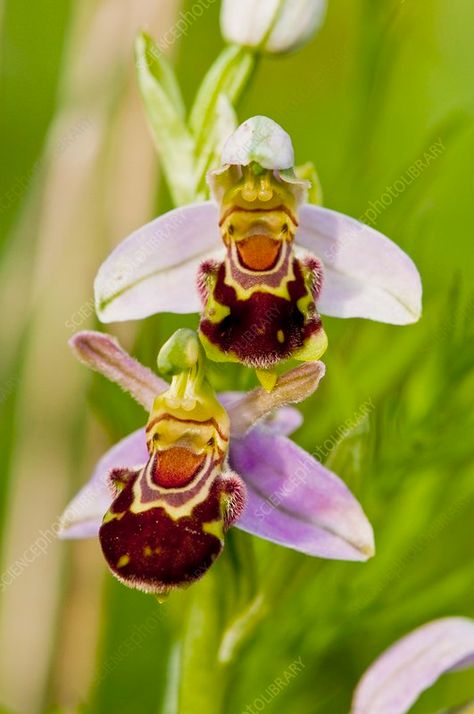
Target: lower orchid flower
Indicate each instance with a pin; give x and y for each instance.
(268, 262)
(170, 492)
(413, 664)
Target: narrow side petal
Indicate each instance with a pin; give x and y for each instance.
(155, 268)
(295, 501)
(103, 354)
(365, 274)
(413, 664)
(283, 422)
(83, 516)
(291, 388)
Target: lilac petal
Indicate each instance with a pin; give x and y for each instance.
(83, 516)
(155, 268)
(284, 422)
(413, 664)
(365, 273)
(296, 502)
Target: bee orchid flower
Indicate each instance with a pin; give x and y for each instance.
(393, 683)
(268, 263)
(170, 491)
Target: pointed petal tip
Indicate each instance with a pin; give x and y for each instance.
(84, 341)
(368, 549)
(359, 534)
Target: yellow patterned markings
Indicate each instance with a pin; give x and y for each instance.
(216, 311)
(215, 353)
(123, 561)
(174, 512)
(314, 347)
(148, 552)
(109, 516)
(214, 528)
(305, 303)
(244, 293)
(267, 378)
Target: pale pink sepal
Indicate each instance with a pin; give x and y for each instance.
(393, 683)
(155, 268)
(365, 274)
(294, 501)
(84, 514)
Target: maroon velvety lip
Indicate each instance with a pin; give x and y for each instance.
(259, 252)
(176, 467)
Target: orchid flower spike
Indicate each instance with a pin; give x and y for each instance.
(273, 26)
(393, 683)
(270, 262)
(171, 491)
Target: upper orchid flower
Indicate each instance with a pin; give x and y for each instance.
(169, 493)
(271, 25)
(413, 664)
(258, 287)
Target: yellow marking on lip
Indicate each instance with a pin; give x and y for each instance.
(123, 561)
(267, 378)
(314, 347)
(245, 293)
(174, 512)
(280, 336)
(260, 209)
(214, 528)
(148, 552)
(109, 516)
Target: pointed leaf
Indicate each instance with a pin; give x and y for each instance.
(223, 124)
(228, 75)
(165, 112)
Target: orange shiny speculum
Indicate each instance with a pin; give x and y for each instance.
(259, 252)
(176, 467)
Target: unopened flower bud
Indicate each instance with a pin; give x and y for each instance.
(272, 26)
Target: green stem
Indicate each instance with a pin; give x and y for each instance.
(197, 682)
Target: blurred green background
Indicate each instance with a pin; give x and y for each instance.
(380, 84)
